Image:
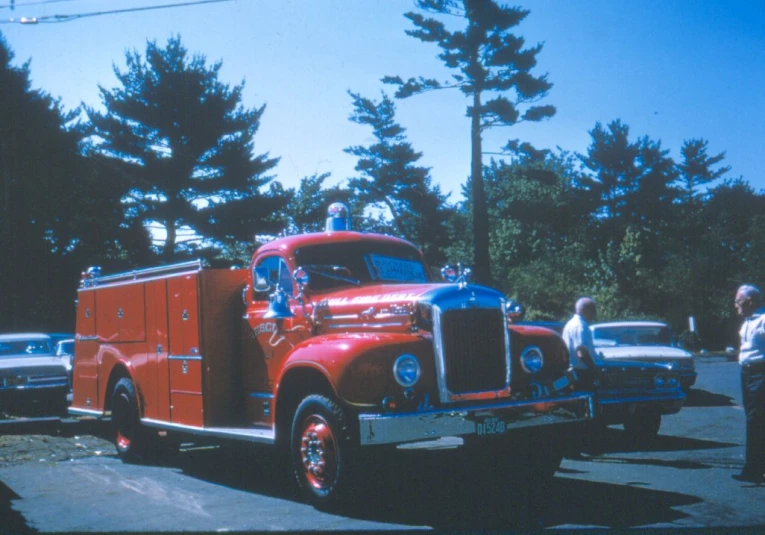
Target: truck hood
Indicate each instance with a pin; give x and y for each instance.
(643, 352)
(390, 306)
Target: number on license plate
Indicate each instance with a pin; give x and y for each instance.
(490, 426)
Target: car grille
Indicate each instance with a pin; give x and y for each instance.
(474, 349)
(622, 381)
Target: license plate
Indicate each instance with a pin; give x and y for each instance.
(490, 426)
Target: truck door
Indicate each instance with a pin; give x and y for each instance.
(268, 340)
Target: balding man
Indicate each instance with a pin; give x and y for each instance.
(752, 359)
(577, 333)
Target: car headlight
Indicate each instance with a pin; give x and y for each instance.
(659, 381)
(532, 359)
(671, 382)
(407, 370)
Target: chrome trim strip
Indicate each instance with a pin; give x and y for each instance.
(136, 273)
(261, 395)
(657, 398)
(29, 386)
(367, 325)
(377, 429)
(85, 412)
(85, 338)
(184, 357)
(263, 436)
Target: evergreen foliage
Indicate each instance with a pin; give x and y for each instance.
(487, 58)
(183, 143)
(391, 180)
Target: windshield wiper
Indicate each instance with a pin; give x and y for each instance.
(320, 270)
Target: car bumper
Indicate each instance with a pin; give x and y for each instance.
(615, 407)
(33, 392)
(687, 379)
(496, 419)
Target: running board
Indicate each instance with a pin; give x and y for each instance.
(249, 434)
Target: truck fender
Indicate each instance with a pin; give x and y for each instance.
(358, 367)
(118, 367)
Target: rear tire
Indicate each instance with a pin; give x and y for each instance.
(322, 450)
(129, 435)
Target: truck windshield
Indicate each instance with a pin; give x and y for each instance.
(333, 265)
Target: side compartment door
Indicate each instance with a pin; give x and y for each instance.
(184, 359)
(85, 375)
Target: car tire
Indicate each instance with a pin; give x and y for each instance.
(643, 426)
(129, 435)
(322, 451)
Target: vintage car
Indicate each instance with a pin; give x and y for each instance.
(644, 341)
(31, 375)
(629, 392)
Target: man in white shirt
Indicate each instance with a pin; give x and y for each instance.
(752, 360)
(577, 334)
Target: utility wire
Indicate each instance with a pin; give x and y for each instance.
(13, 5)
(48, 19)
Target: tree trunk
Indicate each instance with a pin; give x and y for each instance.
(168, 253)
(481, 266)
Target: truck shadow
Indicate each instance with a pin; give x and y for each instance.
(437, 489)
(704, 398)
(615, 440)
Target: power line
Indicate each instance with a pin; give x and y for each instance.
(48, 19)
(13, 4)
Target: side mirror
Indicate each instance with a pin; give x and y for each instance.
(514, 311)
(302, 278)
(261, 282)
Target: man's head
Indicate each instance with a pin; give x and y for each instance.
(748, 299)
(585, 307)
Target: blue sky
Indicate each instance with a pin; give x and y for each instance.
(670, 69)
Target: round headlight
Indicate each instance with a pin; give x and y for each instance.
(407, 370)
(672, 382)
(658, 381)
(532, 359)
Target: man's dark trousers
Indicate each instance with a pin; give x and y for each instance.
(753, 392)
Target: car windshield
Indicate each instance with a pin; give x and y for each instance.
(648, 335)
(65, 348)
(20, 347)
(334, 265)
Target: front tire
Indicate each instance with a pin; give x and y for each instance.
(321, 450)
(129, 436)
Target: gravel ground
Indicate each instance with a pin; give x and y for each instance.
(50, 439)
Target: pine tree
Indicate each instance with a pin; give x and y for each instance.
(488, 58)
(183, 142)
(391, 179)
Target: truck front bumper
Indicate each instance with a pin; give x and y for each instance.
(494, 419)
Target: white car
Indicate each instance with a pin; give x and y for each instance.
(644, 341)
(30, 374)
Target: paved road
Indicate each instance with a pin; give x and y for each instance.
(681, 481)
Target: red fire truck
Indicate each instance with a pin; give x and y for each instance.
(330, 344)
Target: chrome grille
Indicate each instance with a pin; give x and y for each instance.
(474, 349)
